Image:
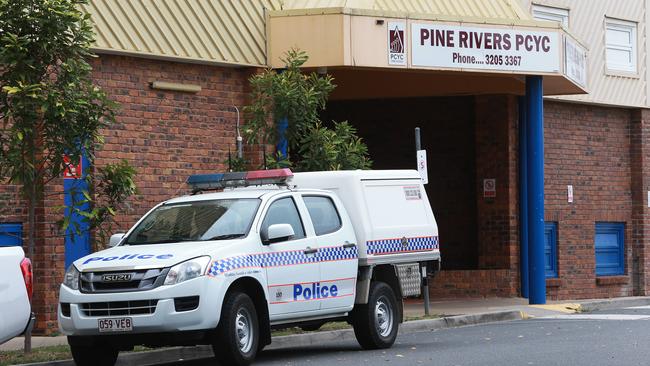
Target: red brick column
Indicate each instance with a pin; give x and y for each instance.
(496, 157)
(640, 184)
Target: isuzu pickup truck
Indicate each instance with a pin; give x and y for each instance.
(16, 315)
(271, 250)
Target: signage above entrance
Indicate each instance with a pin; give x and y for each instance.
(445, 46)
(383, 54)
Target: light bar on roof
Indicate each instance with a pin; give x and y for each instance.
(202, 182)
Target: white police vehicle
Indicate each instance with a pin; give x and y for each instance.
(271, 250)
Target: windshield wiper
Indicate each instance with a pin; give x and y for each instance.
(166, 241)
(225, 236)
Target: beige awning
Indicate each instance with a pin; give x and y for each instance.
(443, 43)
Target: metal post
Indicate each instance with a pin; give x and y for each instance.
(535, 129)
(523, 197)
(423, 269)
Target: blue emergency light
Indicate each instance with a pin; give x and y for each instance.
(203, 182)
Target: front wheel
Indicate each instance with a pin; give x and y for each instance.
(93, 356)
(375, 323)
(237, 338)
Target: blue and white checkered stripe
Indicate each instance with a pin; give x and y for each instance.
(335, 254)
(391, 246)
(228, 264)
(279, 259)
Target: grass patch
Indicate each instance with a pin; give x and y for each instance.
(40, 354)
(421, 317)
(338, 326)
(43, 354)
(325, 327)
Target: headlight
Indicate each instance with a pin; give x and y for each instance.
(187, 270)
(71, 278)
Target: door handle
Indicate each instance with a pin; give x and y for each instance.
(349, 245)
(310, 250)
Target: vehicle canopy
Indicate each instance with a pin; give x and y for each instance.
(389, 210)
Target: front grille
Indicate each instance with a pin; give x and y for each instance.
(140, 280)
(186, 303)
(137, 307)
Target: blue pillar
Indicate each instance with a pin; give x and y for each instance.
(77, 244)
(281, 147)
(535, 158)
(523, 197)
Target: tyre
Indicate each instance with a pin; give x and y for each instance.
(375, 323)
(93, 355)
(237, 338)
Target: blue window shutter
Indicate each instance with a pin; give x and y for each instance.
(610, 248)
(550, 249)
(11, 235)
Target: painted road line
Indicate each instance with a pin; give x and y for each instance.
(639, 307)
(597, 317)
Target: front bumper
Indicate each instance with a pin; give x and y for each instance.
(165, 318)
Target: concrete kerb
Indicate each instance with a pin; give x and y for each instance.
(300, 340)
(614, 303)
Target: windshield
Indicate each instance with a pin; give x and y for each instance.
(196, 221)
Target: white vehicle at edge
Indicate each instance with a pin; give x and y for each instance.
(272, 250)
(16, 287)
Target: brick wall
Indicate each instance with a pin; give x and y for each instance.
(168, 135)
(587, 147)
(496, 158)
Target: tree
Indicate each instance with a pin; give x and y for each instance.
(300, 98)
(50, 110)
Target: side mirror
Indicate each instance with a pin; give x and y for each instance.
(277, 232)
(115, 239)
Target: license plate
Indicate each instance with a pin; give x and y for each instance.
(115, 325)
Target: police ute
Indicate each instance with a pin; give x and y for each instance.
(269, 249)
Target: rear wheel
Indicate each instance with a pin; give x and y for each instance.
(237, 338)
(93, 355)
(375, 323)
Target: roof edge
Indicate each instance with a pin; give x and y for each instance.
(183, 59)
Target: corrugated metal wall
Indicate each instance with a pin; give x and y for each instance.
(495, 9)
(587, 22)
(225, 31)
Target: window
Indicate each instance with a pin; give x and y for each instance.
(552, 14)
(11, 235)
(620, 40)
(284, 211)
(550, 249)
(196, 221)
(610, 248)
(323, 214)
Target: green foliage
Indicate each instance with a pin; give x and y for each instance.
(288, 93)
(300, 97)
(277, 161)
(338, 149)
(237, 164)
(49, 106)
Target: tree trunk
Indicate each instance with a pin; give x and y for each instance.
(31, 241)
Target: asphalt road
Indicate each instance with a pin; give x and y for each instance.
(613, 337)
